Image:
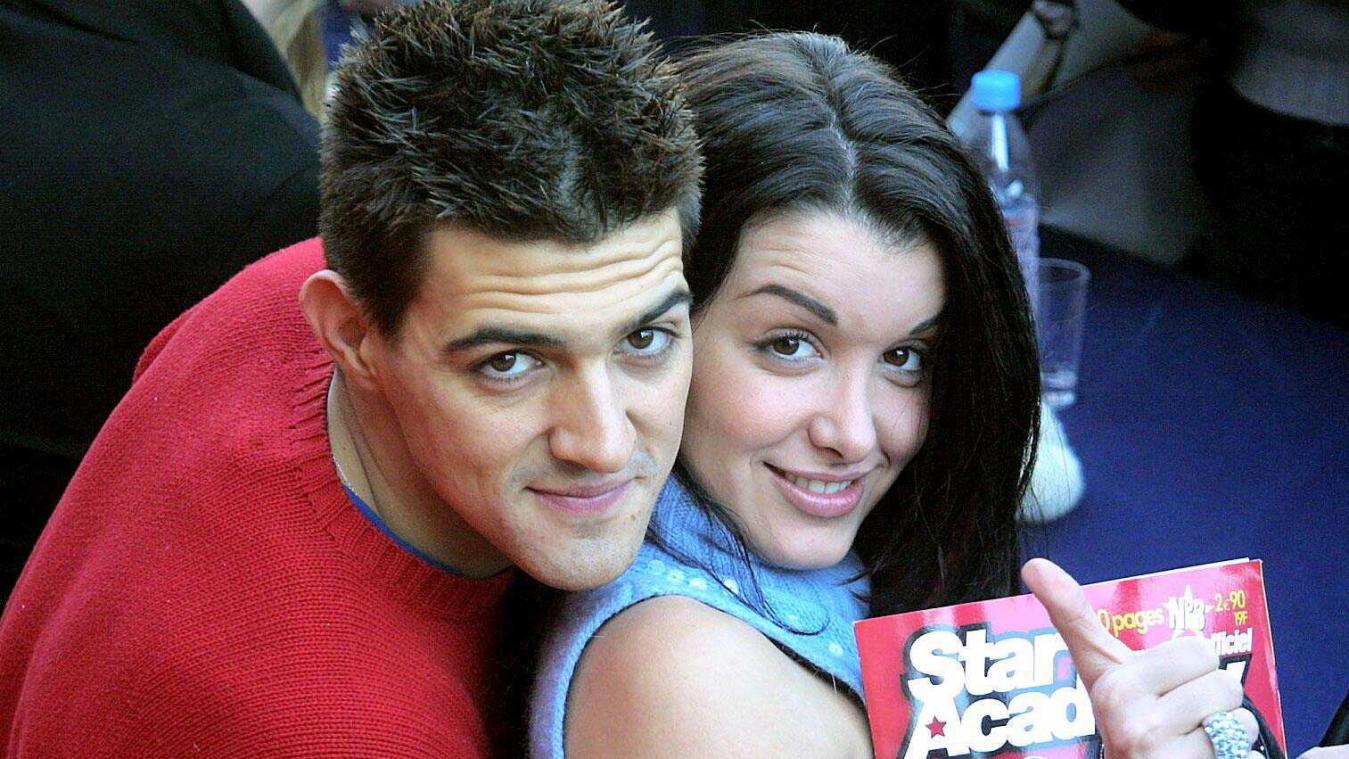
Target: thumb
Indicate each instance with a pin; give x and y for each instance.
(1094, 650)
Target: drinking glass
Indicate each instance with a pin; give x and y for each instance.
(1059, 318)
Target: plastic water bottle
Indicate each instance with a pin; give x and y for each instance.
(999, 144)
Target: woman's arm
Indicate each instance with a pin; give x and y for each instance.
(671, 677)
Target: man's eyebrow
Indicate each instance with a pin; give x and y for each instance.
(498, 335)
(801, 299)
(494, 335)
(675, 298)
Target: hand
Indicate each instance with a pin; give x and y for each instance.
(1148, 704)
(1329, 752)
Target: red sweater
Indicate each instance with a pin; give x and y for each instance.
(206, 588)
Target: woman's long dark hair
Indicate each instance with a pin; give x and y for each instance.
(795, 122)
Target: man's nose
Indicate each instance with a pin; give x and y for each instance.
(591, 426)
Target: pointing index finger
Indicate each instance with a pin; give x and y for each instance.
(1094, 650)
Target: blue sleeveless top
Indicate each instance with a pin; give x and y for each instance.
(814, 609)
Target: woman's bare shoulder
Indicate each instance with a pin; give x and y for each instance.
(672, 677)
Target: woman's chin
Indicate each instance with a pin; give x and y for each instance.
(806, 556)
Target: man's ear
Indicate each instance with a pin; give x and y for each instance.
(340, 324)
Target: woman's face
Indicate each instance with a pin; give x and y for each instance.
(810, 382)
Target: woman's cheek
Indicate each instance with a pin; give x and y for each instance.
(905, 433)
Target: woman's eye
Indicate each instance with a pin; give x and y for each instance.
(647, 342)
(505, 366)
(904, 359)
(791, 346)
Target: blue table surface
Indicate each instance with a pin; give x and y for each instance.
(1213, 427)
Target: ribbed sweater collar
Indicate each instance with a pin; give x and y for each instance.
(401, 573)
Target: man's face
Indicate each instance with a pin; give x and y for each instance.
(537, 390)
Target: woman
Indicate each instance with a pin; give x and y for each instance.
(858, 434)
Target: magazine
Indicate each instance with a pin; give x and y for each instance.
(994, 678)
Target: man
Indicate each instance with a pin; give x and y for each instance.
(293, 535)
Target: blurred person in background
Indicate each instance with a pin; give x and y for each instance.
(296, 28)
(1271, 138)
(151, 151)
(914, 37)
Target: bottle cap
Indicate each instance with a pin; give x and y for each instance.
(996, 90)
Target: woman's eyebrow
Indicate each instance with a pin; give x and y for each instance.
(800, 299)
(926, 325)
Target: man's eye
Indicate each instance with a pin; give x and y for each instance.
(505, 366)
(642, 338)
(647, 342)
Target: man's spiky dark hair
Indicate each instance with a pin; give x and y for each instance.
(524, 120)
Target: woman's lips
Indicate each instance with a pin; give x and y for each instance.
(819, 497)
(588, 501)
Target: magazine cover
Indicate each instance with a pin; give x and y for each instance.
(994, 679)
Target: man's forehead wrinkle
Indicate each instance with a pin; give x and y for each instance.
(572, 293)
(641, 272)
(578, 307)
(647, 239)
(576, 321)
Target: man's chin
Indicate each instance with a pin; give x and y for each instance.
(584, 569)
(576, 556)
